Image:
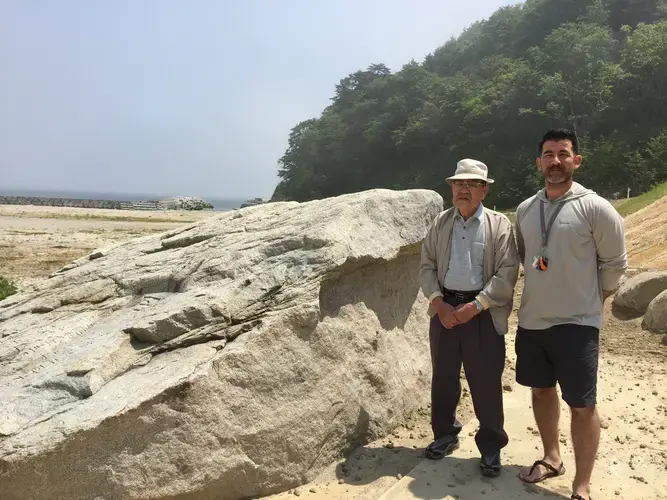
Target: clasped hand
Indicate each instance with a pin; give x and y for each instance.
(451, 316)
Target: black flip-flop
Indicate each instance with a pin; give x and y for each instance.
(441, 447)
(579, 497)
(551, 472)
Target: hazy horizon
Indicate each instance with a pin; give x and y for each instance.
(193, 100)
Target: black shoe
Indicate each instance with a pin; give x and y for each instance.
(489, 465)
(441, 447)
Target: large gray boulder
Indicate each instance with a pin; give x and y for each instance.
(636, 293)
(655, 319)
(227, 359)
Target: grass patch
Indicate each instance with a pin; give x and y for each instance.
(7, 288)
(633, 205)
(511, 215)
(625, 207)
(26, 232)
(115, 218)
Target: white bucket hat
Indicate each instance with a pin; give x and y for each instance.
(470, 170)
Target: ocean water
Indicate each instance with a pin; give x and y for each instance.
(220, 204)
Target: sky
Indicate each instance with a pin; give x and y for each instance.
(191, 98)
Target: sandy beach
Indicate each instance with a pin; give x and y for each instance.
(36, 241)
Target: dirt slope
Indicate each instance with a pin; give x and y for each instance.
(646, 236)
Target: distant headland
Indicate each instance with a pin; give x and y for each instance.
(175, 203)
(120, 201)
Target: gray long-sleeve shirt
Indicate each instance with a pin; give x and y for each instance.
(586, 252)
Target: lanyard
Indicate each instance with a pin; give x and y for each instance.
(546, 229)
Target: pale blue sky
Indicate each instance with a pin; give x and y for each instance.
(187, 97)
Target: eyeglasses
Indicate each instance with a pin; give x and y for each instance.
(468, 184)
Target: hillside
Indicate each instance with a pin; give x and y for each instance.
(646, 236)
(596, 66)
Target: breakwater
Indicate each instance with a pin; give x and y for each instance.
(169, 204)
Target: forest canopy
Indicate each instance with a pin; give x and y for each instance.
(598, 67)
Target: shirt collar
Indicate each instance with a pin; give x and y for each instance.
(477, 215)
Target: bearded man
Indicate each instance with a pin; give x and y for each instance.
(572, 244)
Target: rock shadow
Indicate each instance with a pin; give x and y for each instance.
(624, 313)
(388, 288)
(458, 478)
(386, 462)
(448, 478)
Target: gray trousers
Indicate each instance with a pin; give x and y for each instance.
(481, 350)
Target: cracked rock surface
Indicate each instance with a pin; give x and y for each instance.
(227, 359)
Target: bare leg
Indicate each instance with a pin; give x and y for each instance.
(546, 408)
(585, 440)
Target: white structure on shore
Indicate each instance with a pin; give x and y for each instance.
(184, 203)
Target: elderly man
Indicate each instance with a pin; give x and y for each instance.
(469, 267)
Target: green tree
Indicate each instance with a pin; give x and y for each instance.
(651, 162)
(579, 73)
(597, 66)
(633, 12)
(642, 98)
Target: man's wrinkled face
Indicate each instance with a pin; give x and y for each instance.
(467, 195)
(558, 161)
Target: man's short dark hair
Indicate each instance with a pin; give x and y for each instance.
(561, 134)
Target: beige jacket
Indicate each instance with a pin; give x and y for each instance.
(501, 264)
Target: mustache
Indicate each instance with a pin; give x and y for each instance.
(556, 171)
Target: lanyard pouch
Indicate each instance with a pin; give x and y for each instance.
(541, 260)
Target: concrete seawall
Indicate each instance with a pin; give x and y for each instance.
(109, 204)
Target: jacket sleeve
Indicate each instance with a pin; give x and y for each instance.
(499, 290)
(428, 266)
(521, 247)
(609, 236)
